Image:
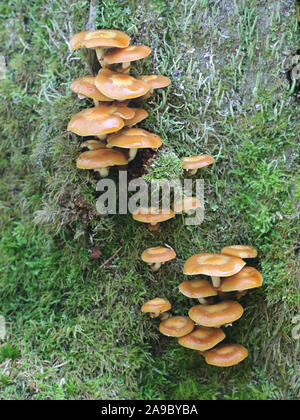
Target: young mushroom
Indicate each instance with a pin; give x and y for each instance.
(156, 307)
(198, 289)
(193, 163)
(157, 256)
(223, 313)
(155, 82)
(100, 160)
(134, 139)
(152, 216)
(85, 88)
(202, 338)
(99, 40)
(176, 326)
(241, 251)
(247, 278)
(225, 355)
(214, 265)
(125, 56)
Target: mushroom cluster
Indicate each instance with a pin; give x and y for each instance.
(112, 123)
(202, 330)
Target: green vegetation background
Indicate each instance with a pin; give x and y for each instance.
(75, 331)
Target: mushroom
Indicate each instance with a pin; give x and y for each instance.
(157, 256)
(155, 82)
(134, 139)
(125, 56)
(99, 121)
(225, 355)
(100, 160)
(140, 115)
(153, 216)
(93, 144)
(202, 338)
(156, 307)
(241, 251)
(193, 163)
(85, 88)
(99, 40)
(247, 278)
(176, 326)
(214, 265)
(198, 289)
(223, 313)
(186, 205)
(120, 86)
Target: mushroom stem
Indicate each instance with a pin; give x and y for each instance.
(153, 226)
(132, 154)
(192, 171)
(126, 67)
(81, 96)
(165, 315)
(102, 136)
(203, 301)
(216, 281)
(155, 266)
(154, 314)
(103, 172)
(96, 103)
(100, 53)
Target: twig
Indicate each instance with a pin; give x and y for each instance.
(110, 258)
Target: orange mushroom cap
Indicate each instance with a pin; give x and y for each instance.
(197, 289)
(86, 86)
(152, 215)
(247, 278)
(140, 115)
(186, 204)
(134, 138)
(100, 158)
(126, 55)
(226, 355)
(202, 338)
(221, 313)
(242, 251)
(196, 162)
(213, 265)
(158, 254)
(158, 305)
(156, 81)
(176, 326)
(107, 38)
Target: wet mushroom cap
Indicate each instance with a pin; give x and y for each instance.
(213, 265)
(140, 115)
(126, 55)
(186, 204)
(134, 138)
(85, 86)
(156, 81)
(120, 86)
(176, 326)
(100, 158)
(196, 162)
(107, 38)
(202, 338)
(158, 254)
(247, 278)
(226, 355)
(197, 289)
(152, 215)
(242, 251)
(96, 121)
(156, 305)
(216, 315)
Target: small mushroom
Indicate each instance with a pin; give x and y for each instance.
(134, 139)
(247, 278)
(186, 205)
(202, 338)
(198, 289)
(223, 313)
(125, 56)
(157, 256)
(85, 88)
(100, 160)
(193, 163)
(241, 251)
(140, 115)
(99, 40)
(225, 355)
(157, 306)
(214, 265)
(176, 326)
(93, 144)
(155, 82)
(153, 216)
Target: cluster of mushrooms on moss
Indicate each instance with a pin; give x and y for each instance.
(201, 329)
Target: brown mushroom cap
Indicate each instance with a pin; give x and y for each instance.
(126, 55)
(100, 158)
(221, 313)
(107, 38)
(152, 215)
(134, 138)
(196, 162)
(140, 115)
(85, 86)
(247, 278)
(93, 144)
(213, 265)
(158, 305)
(197, 289)
(176, 326)
(186, 204)
(120, 86)
(226, 355)
(96, 121)
(156, 81)
(202, 338)
(158, 254)
(242, 251)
